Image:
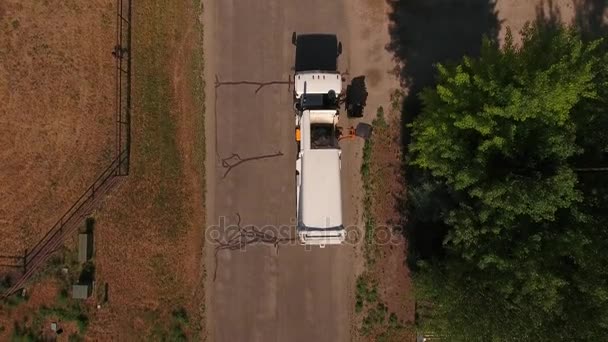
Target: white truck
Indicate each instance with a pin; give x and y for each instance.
(317, 90)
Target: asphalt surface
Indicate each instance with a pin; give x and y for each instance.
(264, 293)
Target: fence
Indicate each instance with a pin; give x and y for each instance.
(34, 258)
(122, 54)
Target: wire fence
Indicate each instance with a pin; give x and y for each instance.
(122, 55)
(33, 259)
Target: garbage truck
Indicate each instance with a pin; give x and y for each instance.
(317, 92)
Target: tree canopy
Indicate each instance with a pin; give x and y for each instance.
(513, 136)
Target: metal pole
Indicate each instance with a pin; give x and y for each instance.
(25, 261)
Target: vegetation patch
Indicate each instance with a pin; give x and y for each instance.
(510, 154)
(167, 160)
(377, 322)
(63, 268)
(176, 328)
(379, 127)
(64, 311)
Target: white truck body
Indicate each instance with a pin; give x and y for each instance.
(318, 181)
(317, 90)
(314, 82)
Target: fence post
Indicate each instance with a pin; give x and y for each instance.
(25, 261)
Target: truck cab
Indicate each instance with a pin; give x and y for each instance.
(317, 90)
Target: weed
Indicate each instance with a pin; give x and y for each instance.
(68, 313)
(75, 338)
(63, 297)
(23, 334)
(180, 315)
(15, 24)
(397, 100)
(5, 283)
(380, 121)
(376, 316)
(393, 321)
(366, 291)
(16, 300)
(359, 305)
(180, 320)
(177, 334)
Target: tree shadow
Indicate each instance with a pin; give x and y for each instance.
(591, 18)
(424, 33)
(548, 17)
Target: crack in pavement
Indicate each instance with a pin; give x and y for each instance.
(235, 160)
(260, 85)
(245, 236)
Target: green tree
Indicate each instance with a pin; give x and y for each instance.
(509, 133)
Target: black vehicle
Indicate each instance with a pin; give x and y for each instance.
(316, 52)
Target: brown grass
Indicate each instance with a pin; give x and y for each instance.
(56, 117)
(150, 233)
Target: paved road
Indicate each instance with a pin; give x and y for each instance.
(259, 294)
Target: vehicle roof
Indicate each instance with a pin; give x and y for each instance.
(321, 192)
(316, 52)
(318, 83)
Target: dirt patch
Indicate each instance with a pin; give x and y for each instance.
(384, 298)
(515, 13)
(390, 270)
(150, 232)
(57, 113)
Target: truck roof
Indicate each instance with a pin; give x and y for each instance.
(317, 83)
(316, 52)
(321, 193)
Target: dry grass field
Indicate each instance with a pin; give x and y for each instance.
(57, 112)
(149, 234)
(149, 230)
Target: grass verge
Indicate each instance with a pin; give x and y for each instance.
(374, 293)
(379, 126)
(377, 322)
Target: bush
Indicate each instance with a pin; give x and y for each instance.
(180, 315)
(75, 338)
(23, 334)
(70, 313)
(177, 334)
